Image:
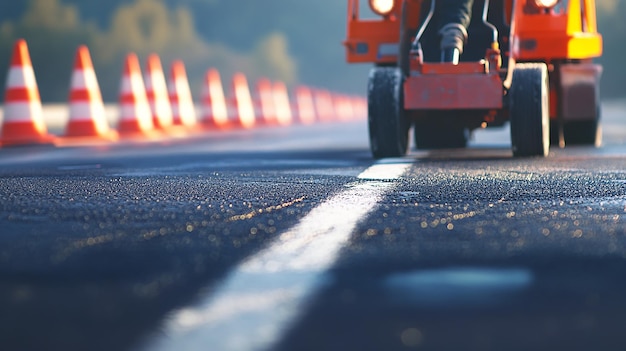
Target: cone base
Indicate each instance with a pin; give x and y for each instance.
(23, 133)
(132, 129)
(88, 129)
(211, 124)
(267, 122)
(244, 123)
(161, 125)
(210, 121)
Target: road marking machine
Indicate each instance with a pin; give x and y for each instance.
(526, 62)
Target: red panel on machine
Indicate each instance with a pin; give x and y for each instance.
(453, 91)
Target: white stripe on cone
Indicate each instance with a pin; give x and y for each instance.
(25, 111)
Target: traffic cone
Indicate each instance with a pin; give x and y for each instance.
(135, 115)
(242, 108)
(156, 91)
(324, 105)
(305, 106)
(360, 107)
(87, 117)
(214, 110)
(342, 107)
(281, 103)
(23, 116)
(349, 106)
(350, 110)
(183, 110)
(265, 102)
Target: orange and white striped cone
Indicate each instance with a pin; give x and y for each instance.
(265, 102)
(282, 105)
(87, 117)
(305, 105)
(135, 115)
(214, 109)
(156, 91)
(183, 109)
(241, 109)
(350, 111)
(324, 105)
(342, 107)
(359, 106)
(23, 122)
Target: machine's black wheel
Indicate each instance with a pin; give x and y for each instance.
(583, 132)
(530, 110)
(429, 137)
(388, 127)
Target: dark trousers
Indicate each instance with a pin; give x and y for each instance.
(453, 11)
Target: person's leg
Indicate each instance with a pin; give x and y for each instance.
(454, 11)
(453, 18)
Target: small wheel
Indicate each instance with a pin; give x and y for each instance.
(587, 132)
(529, 110)
(388, 127)
(428, 137)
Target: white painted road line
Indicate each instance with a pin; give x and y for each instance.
(386, 169)
(261, 298)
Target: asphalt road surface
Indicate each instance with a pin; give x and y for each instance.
(295, 239)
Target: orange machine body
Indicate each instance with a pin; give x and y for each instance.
(565, 37)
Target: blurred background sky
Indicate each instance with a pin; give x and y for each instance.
(296, 41)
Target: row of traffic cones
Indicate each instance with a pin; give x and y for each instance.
(150, 107)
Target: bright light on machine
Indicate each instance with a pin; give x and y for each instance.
(546, 3)
(382, 7)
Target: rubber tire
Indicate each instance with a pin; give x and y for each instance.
(530, 110)
(584, 132)
(427, 137)
(388, 127)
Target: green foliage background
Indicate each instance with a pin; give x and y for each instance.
(297, 41)
(293, 41)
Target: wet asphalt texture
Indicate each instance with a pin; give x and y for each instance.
(471, 250)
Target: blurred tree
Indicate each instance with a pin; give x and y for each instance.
(611, 15)
(144, 27)
(147, 26)
(607, 6)
(271, 55)
(53, 31)
(314, 31)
